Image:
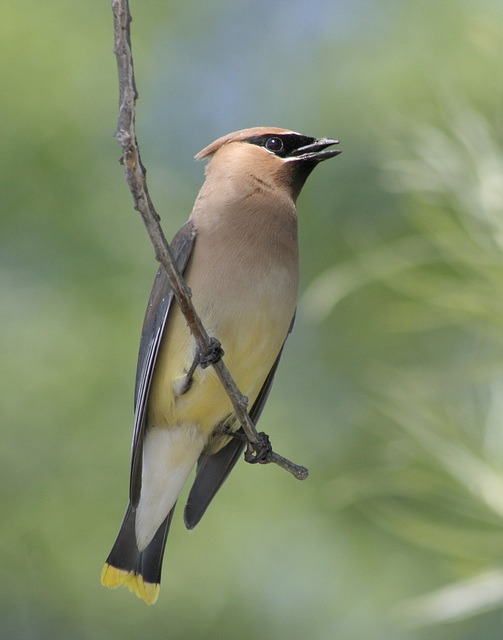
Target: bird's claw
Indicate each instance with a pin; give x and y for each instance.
(259, 452)
(213, 354)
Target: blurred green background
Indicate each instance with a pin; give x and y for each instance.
(391, 387)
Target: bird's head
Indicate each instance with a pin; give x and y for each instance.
(277, 157)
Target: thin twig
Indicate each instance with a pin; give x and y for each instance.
(136, 180)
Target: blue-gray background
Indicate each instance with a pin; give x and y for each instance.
(391, 388)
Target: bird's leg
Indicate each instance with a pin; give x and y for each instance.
(212, 355)
(226, 431)
(260, 451)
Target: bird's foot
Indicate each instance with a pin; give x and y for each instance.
(259, 452)
(203, 360)
(213, 355)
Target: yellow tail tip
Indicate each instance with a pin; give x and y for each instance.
(112, 577)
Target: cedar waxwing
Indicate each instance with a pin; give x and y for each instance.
(239, 255)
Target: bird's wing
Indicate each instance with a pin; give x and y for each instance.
(213, 469)
(159, 305)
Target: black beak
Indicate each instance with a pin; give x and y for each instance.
(316, 151)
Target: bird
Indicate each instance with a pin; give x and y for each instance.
(239, 255)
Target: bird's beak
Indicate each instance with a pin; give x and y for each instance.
(316, 151)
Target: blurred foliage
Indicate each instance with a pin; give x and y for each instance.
(392, 383)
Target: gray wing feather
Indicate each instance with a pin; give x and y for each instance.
(159, 305)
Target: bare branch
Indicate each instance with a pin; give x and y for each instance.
(136, 180)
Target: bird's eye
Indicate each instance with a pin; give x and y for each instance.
(274, 144)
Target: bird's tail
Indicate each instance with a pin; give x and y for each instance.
(140, 571)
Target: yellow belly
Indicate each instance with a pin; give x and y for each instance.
(251, 346)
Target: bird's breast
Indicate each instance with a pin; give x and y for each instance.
(244, 282)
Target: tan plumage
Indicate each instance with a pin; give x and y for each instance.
(240, 256)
